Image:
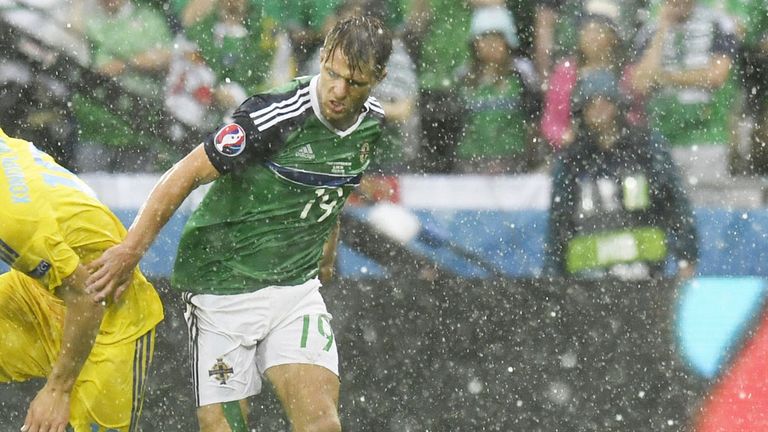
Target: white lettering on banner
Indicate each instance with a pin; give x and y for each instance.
(620, 247)
(608, 190)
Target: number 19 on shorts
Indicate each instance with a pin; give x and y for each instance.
(317, 326)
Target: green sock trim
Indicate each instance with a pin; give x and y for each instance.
(234, 416)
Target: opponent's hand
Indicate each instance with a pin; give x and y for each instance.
(111, 273)
(48, 412)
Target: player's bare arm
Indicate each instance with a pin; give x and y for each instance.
(49, 410)
(111, 273)
(328, 261)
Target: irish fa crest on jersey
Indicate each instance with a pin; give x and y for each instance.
(365, 151)
(230, 140)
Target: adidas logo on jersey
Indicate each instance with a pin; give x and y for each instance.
(305, 152)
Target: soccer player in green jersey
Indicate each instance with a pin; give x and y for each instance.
(250, 255)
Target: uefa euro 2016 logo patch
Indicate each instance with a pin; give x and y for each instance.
(230, 140)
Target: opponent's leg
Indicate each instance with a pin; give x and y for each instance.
(31, 320)
(109, 393)
(309, 394)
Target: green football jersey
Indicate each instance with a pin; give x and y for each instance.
(286, 174)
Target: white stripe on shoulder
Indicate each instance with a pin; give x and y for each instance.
(284, 117)
(374, 102)
(282, 103)
(376, 108)
(263, 119)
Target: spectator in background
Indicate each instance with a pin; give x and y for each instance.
(556, 23)
(599, 47)
(190, 89)
(35, 103)
(756, 44)
(684, 70)
(130, 42)
(436, 34)
(442, 49)
(618, 206)
(499, 91)
(303, 20)
(223, 56)
(397, 93)
(39, 38)
(235, 38)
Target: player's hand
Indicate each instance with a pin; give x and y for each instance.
(111, 273)
(685, 272)
(48, 412)
(326, 273)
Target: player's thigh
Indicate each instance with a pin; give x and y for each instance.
(224, 417)
(300, 359)
(303, 336)
(31, 320)
(309, 394)
(109, 392)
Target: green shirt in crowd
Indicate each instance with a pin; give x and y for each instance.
(446, 45)
(694, 115)
(135, 29)
(495, 120)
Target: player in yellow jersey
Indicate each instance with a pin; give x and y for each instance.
(95, 355)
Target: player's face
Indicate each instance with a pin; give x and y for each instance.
(681, 8)
(491, 48)
(112, 6)
(596, 41)
(342, 91)
(600, 114)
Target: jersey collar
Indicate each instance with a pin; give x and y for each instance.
(316, 108)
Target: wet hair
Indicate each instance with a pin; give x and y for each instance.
(363, 40)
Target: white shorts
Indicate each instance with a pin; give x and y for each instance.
(234, 339)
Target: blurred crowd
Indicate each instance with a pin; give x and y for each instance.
(475, 86)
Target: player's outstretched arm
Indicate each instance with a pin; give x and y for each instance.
(111, 273)
(49, 410)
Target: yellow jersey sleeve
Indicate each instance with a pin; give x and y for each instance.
(32, 244)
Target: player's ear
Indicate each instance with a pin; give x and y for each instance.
(382, 75)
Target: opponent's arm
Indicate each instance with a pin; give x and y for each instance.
(49, 410)
(112, 271)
